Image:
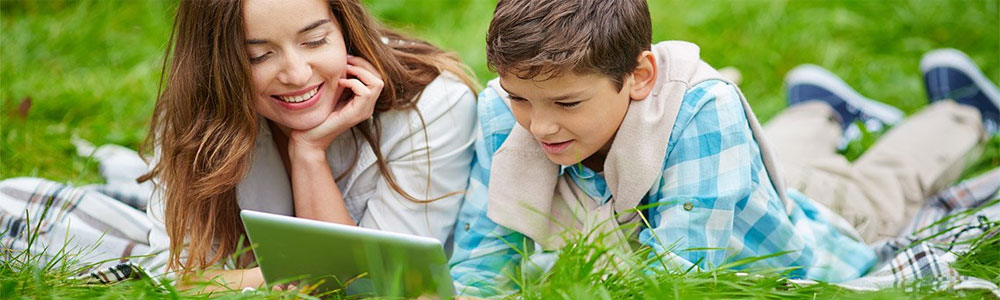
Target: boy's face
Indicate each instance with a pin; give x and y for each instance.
(572, 116)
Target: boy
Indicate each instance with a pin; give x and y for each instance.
(588, 121)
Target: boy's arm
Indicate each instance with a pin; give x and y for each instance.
(706, 173)
(713, 167)
(485, 253)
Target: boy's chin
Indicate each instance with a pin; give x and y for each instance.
(565, 160)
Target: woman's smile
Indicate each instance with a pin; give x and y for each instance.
(300, 99)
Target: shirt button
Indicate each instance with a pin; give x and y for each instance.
(687, 206)
(466, 226)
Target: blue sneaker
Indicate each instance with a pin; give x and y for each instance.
(813, 83)
(950, 74)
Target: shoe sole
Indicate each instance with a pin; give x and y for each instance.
(951, 58)
(816, 75)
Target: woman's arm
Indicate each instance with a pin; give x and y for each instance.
(209, 281)
(314, 191)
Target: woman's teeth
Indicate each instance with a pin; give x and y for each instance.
(300, 98)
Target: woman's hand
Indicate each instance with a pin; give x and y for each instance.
(314, 190)
(208, 281)
(363, 85)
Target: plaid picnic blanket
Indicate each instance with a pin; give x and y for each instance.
(943, 230)
(102, 226)
(95, 227)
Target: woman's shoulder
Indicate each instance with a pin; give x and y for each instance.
(445, 92)
(445, 95)
(446, 104)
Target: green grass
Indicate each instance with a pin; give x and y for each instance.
(90, 69)
(577, 274)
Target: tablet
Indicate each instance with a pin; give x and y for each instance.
(354, 260)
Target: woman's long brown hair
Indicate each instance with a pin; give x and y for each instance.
(204, 126)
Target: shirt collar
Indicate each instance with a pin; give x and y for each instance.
(592, 183)
(578, 171)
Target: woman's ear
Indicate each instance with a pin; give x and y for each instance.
(644, 76)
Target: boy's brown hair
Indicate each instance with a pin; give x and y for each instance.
(541, 39)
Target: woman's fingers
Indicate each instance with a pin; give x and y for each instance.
(284, 287)
(362, 104)
(364, 96)
(342, 118)
(356, 86)
(361, 62)
(364, 70)
(365, 85)
(366, 76)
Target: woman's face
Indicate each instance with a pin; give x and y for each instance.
(297, 55)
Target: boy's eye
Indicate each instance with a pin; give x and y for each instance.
(516, 99)
(568, 104)
(259, 58)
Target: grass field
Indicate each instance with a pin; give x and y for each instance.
(90, 69)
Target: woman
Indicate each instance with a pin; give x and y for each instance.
(307, 108)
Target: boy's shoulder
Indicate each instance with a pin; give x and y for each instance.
(681, 61)
(715, 91)
(707, 88)
(710, 106)
(495, 117)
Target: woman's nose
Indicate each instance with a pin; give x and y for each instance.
(296, 70)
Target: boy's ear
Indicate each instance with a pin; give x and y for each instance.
(644, 76)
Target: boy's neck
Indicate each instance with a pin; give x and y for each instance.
(595, 161)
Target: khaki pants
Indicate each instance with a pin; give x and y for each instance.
(880, 191)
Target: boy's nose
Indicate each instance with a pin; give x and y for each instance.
(542, 127)
(296, 71)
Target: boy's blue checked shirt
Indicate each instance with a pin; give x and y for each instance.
(714, 193)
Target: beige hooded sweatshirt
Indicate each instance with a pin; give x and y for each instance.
(527, 194)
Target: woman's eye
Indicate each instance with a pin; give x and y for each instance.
(260, 58)
(316, 43)
(568, 104)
